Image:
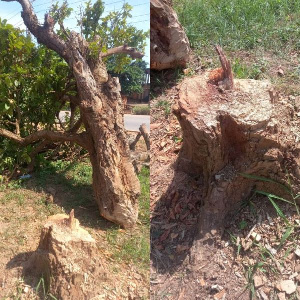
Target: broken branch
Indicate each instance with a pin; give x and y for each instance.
(44, 134)
(125, 50)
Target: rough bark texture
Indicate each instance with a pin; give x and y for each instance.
(226, 133)
(169, 44)
(116, 186)
(67, 259)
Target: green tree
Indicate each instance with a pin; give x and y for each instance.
(132, 77)
(97, 98)
(33, 83)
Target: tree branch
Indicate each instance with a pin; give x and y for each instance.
(123, 49)
(44, 34)
(53, 136)
(76, 126)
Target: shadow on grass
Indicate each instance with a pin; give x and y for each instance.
(71, 187)
(163, 80)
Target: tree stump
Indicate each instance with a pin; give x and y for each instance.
(169, 44)
(67, 259)
(227, 132)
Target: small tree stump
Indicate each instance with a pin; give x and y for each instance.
(169, 44)
(229, 132)
(67, 259)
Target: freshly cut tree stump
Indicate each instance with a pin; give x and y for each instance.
(169, 43)
(67, 259)
(227, 132)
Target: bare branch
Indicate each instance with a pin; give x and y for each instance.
(44, 34)
(145, 134)
(53, 136)
(123, 49)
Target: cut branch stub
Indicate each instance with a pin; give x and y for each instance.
(222, 76)
(143, 132)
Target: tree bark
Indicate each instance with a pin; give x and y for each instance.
(169, 44)
(67, 259)
(116, 186)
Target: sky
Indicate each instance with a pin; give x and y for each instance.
(140, 14)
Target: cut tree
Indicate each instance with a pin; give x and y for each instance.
(230, 130)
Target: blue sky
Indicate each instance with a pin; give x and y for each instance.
(140, 13)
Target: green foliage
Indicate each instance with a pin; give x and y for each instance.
(90, 19)
(132, 78)
(31, 80)
(34, 79)
(111, 31)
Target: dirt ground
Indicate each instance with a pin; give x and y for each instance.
(24, 209)
(231, 266)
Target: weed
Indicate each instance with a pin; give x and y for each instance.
(234, 241)
(177, 139)
(249, 276)
(165, 105)
(42, 290)
(290, 232)
(243, 224)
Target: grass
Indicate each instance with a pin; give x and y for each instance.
(165, 105)
(141, 110)
(268, 261)
(258, 36)
(247, 24)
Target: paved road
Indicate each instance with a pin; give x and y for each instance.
(132, 122)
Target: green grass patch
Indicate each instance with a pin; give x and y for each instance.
(246, 24)
(141, 110)
(253, 71)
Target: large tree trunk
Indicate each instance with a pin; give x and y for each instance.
(116, 186)
(169, 43)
